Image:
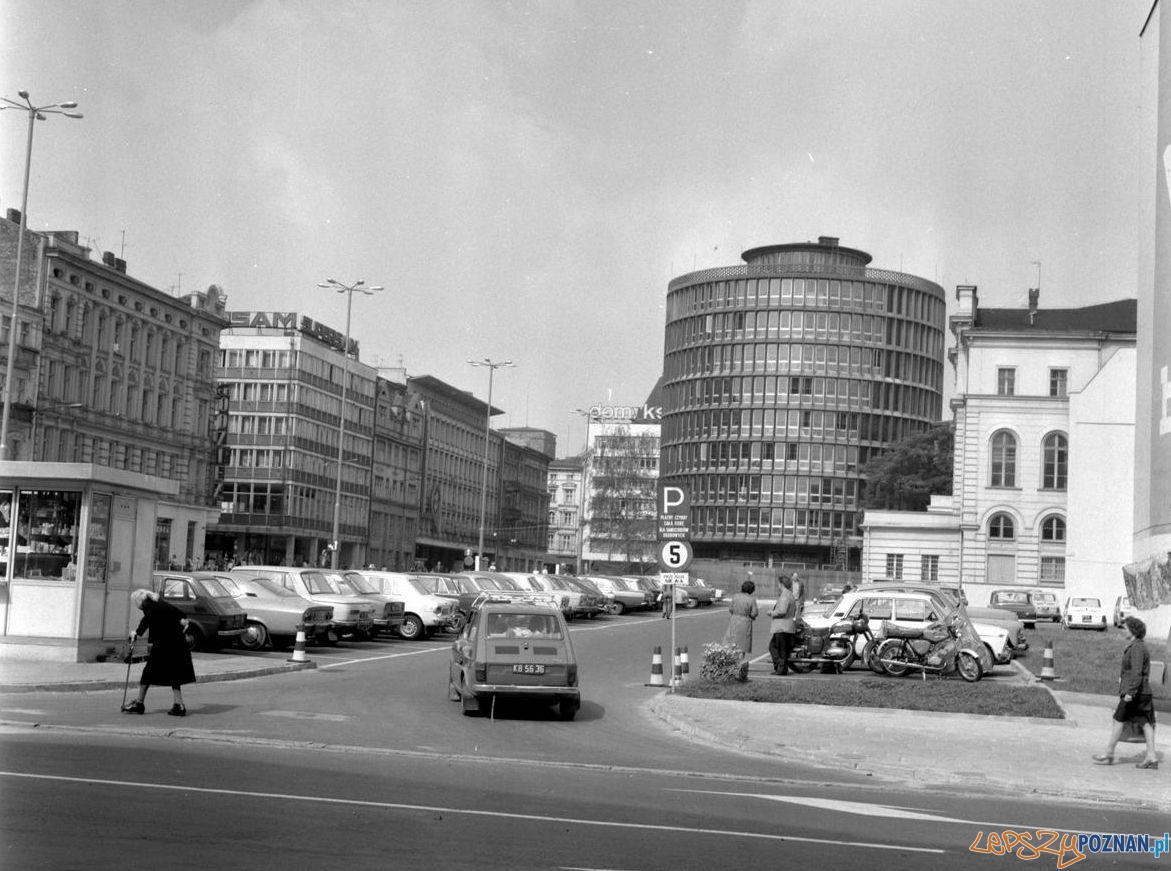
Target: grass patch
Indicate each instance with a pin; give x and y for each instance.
(905, 693)
(1086, 661)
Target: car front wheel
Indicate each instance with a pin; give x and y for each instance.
(412, 627)
(255, 636)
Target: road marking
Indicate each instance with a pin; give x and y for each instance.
(305, 715)
(362, 659)
(865, 809)
(535, 818)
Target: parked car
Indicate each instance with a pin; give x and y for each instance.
(424, 612)
(1047, 605)
(1122, 610)
(1020, 602)
(986, 616)
(568, 599)
(694, 595)
(275, 614)
(829, 594)
(352, 615)
(914, 605)
(514, 650)
(1084, 612)
(625, 596)
(649, 584)
(214, 618)
(388, 616)
(597, 600)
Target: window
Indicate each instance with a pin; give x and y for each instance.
(1003, 460)
(894, 566)
(929, 567)
(1005, 382)
(1000, 527)
(1052, 570)
(1055, 462)
(1053, 528)
(1058, 382)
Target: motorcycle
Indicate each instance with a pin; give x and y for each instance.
(833, 647)
(933, 649)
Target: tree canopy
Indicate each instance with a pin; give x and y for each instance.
(904, 476)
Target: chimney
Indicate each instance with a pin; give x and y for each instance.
(108, 258)
(831, 241)
(14, 215)
(1034, 298)
(120, 265)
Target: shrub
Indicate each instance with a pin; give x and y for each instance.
(723, 663)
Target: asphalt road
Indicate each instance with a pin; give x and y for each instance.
(364, 761)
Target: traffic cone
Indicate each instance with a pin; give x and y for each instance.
(685, 662)
(656, 668)
(1047, 672)
(677, 675)
(299, 646)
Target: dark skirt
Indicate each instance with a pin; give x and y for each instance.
(1140, 709)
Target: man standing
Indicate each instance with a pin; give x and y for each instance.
(783, 626)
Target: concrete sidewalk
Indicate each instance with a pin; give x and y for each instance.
(987, 754)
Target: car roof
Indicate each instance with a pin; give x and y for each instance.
(495, 607)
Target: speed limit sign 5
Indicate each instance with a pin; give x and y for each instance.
(674, 556)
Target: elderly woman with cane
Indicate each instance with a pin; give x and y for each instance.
(169, 661)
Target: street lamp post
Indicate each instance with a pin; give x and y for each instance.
(35, 113)
(581, 508)
(348, 290)
(492, 367)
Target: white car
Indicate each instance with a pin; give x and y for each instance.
(1084, 612)
(424, 613)
(912, 609)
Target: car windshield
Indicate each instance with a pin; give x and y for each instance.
(316, 583)
(1018, 598)
(214, 588)
(523, 626)
(1085, 603)
(360, 584)
(273, 587)
(420, 586)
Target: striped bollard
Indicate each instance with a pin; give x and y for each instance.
(657, 668)
(299, 646)
(686, 663)
(677, 673)
(1047, 672)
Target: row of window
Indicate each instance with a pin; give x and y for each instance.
(1002, 528)
(1006, 381)
(793, 423)
(1054, 461)
(777, 357)
(772, 523)
(1051, 571)
(787, 489)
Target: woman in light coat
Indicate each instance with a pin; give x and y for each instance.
(744, 611)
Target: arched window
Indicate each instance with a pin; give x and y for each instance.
(1003, 460)
(1000, 528)
(1053, 528)
(1054, 461)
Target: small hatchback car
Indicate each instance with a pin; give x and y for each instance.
(516, 650)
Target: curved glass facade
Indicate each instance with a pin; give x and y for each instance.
(781, 379)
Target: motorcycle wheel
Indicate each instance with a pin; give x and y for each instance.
(801, 667)
(849, 660)
(969, 667)
(870, 656)
(892, 656)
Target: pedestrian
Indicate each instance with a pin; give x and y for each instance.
(783, 626)
(744, 611)
(1135, 704)
(169, 660)
(798, 588)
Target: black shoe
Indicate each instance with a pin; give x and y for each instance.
(135, 707)
(178, 711)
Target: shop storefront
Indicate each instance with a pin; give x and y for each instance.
(74, 538)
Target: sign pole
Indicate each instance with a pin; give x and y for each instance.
(675, 554)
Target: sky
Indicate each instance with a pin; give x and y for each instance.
(524, 179)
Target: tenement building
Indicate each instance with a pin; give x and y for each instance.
(782, 378)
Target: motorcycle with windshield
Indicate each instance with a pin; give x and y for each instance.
(937, 648)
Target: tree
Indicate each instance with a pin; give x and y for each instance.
(903, 477)
(622, 485)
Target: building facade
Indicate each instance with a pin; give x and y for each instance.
(782, 378)
(564, 510)
(396, 475)
(281, 374)
(522, 529)
(1044, 436)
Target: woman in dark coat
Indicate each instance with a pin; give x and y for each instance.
(1135, 703)
(169, 661)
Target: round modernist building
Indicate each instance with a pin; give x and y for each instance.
(781, 379)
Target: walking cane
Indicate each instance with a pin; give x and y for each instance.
(129, 662)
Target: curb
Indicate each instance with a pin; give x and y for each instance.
(83, 686)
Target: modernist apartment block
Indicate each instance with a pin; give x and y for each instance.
(782, 378)
(1044, 453)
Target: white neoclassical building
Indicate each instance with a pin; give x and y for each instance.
(1044, 457)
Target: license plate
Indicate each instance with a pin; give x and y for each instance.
(1087, 619)
(528, 668)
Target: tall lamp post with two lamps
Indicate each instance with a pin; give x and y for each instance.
(35, 113)
(491, 366)
(348, 290)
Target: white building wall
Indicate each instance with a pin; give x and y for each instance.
(1101, 486)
